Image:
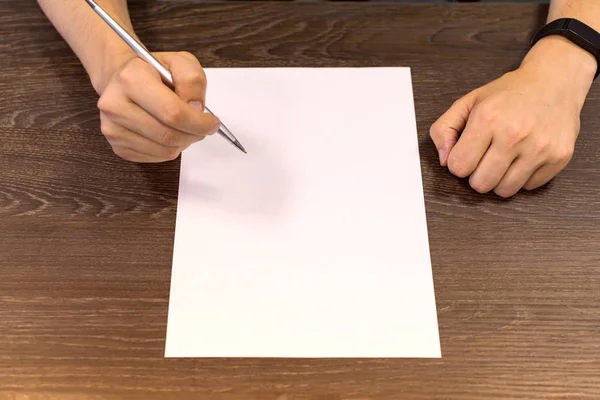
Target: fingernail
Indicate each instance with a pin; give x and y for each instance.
(443, 156)
(197, 104)
(215, 126)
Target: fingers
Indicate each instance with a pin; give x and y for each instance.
(133, 118)
(509, 141)
(516, 176)
(530, 170)
(135, 156)
(491, 169)
(469, 150)
(557, 162)
(134, 147)
(142, 85)
(539, 162)
(446, 130)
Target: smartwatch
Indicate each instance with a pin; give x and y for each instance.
(577, 32)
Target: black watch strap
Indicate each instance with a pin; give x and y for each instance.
(577, 32)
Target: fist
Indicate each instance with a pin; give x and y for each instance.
(144, 120)
(519, 131)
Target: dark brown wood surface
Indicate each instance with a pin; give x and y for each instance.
(86, 238)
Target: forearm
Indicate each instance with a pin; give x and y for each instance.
(587, 11)
(98, 48)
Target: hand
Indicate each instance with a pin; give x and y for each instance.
(518, 131)
(144, 120)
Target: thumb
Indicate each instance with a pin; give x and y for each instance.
(446, 130)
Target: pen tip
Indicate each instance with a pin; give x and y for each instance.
(239, 146)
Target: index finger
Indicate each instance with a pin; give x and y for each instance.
(448, 127)
(470, 148)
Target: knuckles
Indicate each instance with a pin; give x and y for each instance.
(195, 77)
(128, 75)
(562, 155)
(479, 185)
(511, 134)
(456, 167)
(540, 147)
(171, 153)
(169, 138)
(187, 55)
(133, 72)
(504, 192)
(487, 114)
(109, 132)
(108, 129)
(171, 114)
(514, 136)
(166, 154)
(123, 153)
(436, 131)
(106, 104)
(190, 70)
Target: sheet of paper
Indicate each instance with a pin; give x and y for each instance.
(315, 243)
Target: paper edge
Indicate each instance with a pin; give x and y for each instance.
(424, 205)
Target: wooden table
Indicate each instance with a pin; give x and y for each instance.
(86, 238)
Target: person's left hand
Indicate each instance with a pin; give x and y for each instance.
(518, 131)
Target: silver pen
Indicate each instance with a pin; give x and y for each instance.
(148, 57)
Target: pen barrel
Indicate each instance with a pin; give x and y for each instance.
(136, 46)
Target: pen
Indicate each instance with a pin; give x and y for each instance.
(149, 58)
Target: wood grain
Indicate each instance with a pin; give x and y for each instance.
(86, 238)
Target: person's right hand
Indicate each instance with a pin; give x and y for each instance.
(144, 120)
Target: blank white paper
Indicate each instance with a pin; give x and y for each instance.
(315, 243)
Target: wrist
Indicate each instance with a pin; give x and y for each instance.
(107, 62)
(561, 61)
